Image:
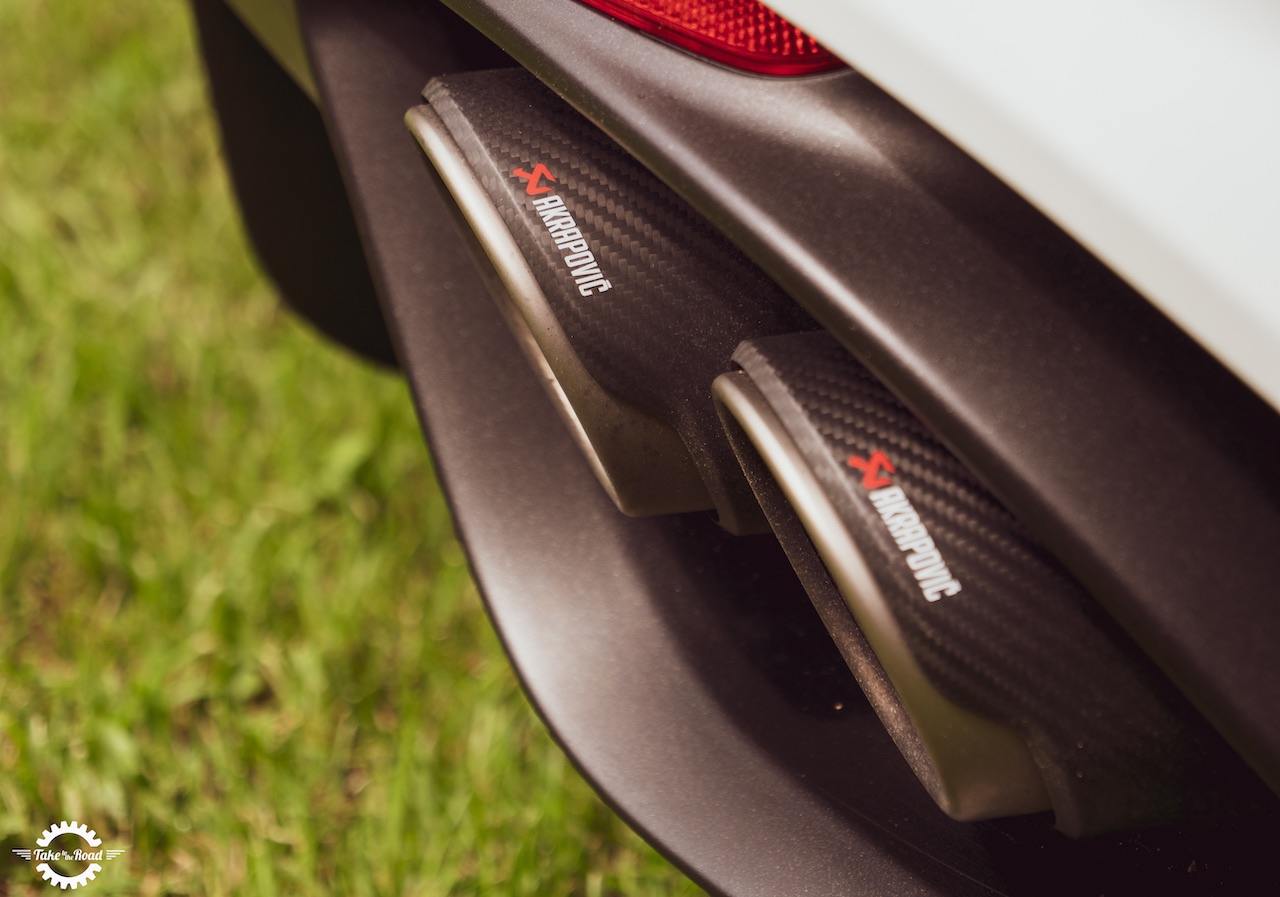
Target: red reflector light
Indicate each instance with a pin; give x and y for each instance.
(741, 33)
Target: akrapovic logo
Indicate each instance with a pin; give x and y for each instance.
(903, 522)
(559, 222)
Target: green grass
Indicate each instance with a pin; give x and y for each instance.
(238, 636)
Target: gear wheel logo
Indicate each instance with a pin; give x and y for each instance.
(87, 860)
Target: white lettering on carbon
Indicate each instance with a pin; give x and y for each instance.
(569, 239)
(912, 538)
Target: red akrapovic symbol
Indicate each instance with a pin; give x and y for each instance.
(539, 172)
(871, 467)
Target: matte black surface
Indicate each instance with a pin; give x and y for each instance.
(288, 186)
(677, 296)
(655, 692)
(1019, 641)
(1136, 458)
(701, 696)
(690, 693)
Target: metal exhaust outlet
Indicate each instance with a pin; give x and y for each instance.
(1005, 687)
(972, 767)
(640, 461)
(626, 300)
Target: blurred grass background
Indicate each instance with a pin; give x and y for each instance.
(238, 638)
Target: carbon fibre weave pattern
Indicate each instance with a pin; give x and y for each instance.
(680, 296)
(1021, 642)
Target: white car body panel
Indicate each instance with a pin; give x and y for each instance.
(1148, 130)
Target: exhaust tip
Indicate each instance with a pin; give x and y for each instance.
(972, 767)
(1005, 685)
(640, 461)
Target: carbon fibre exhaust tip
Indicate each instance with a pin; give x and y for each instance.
(972, 767)
(640, 461)
(624, 298)
(1005, 686)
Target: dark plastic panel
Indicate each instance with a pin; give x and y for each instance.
(663, 653)
(284, 173)
(682, 669)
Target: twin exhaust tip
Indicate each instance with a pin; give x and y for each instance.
(691, 382)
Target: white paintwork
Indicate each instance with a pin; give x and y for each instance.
(1148, 129)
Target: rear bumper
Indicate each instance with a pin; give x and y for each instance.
(684, 670)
